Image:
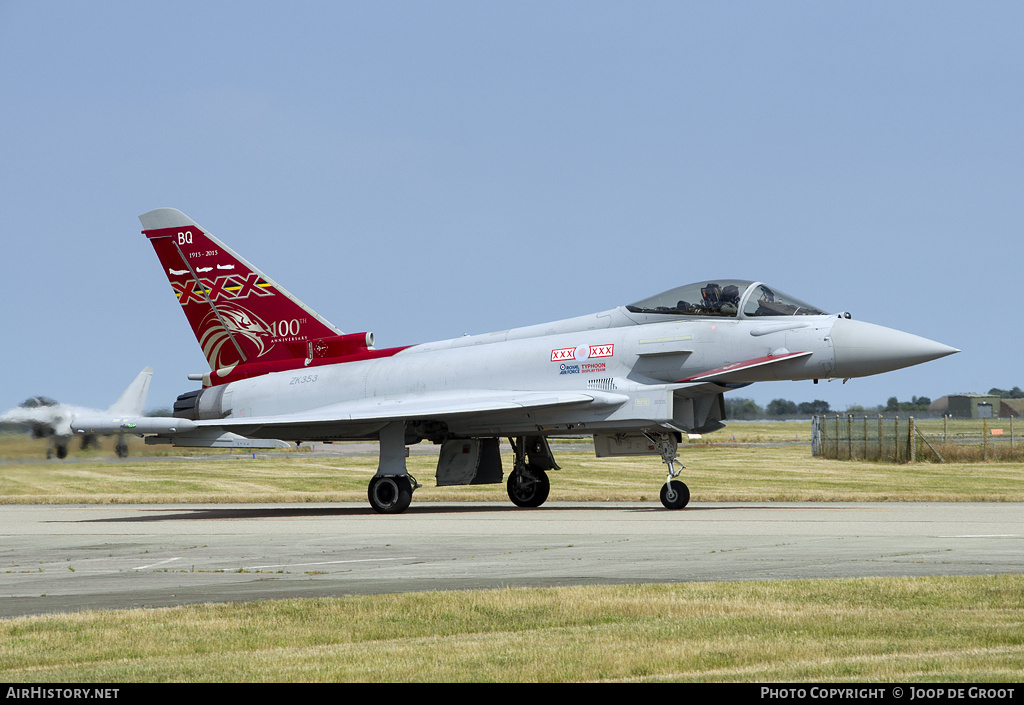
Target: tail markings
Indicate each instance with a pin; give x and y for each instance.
(246, 324)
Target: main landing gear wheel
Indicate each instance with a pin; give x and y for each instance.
(675, 495)
(390, 495)
(528, 487)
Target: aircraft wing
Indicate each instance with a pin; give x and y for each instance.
(46, 420)
(434, 406)
(21, 415)
(357, 413)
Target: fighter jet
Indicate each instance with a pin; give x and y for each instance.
(635, 377)
(46, 418)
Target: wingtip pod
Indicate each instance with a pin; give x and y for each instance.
(132, 424)
(171, 429)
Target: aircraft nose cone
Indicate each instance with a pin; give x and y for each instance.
(863, 349)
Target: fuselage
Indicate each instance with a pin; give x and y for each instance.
(279, 370)
(642, 369)
(660, 365)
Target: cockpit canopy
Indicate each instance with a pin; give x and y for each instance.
(725, 298)
(36, 402)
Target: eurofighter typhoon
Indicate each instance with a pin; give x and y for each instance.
(49, 419)
(635, 377)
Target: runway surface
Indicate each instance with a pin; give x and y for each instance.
(62, 558)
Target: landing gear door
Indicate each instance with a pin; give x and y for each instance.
(609, 445)
(469, 461)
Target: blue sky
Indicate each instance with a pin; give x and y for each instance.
(427, 169)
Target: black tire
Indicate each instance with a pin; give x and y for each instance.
(527, 491)
(390, 495)
(675, 495)
(121, 449)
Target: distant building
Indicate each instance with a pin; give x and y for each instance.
(974, 406)
(977, 406)
(1012, 408)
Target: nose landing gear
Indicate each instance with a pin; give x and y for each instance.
(674, 493)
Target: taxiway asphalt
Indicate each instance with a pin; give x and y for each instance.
(63, 558)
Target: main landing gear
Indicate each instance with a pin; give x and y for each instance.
(57, 448)
(528, 484)
(462, 462)
(528, 487)
(391, 494)
(121, 447)
(674, 493)
(390, 490)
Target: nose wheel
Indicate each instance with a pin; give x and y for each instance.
(674, 493)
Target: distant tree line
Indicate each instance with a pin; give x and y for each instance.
(915, 404)
(1014, 393)
(747, 410)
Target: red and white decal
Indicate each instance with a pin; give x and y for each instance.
(720, 372)
(230, 287)
(582, 352)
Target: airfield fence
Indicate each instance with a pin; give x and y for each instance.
(908, 440)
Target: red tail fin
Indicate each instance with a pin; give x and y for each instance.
(238, 314)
